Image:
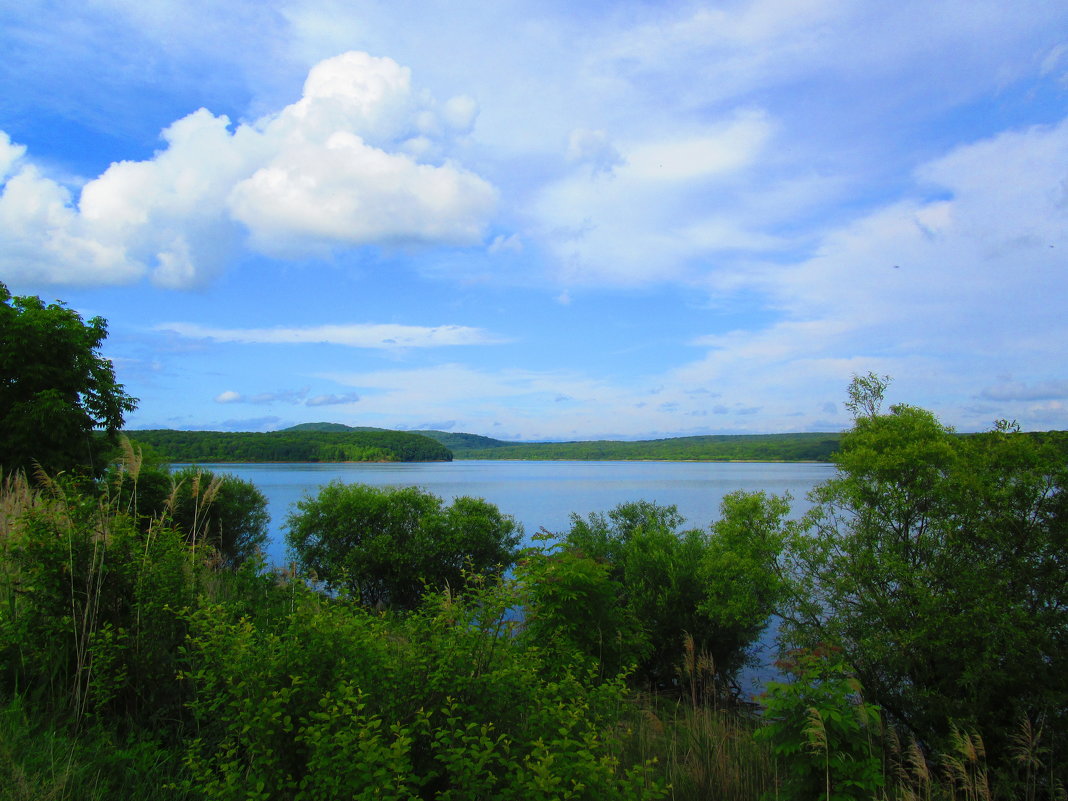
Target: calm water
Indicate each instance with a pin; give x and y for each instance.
(539, 494)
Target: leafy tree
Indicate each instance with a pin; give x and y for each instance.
(572, 609)
(937, 562)
(221, 511)
(226, 512)
(741, 575)
(824, 733)
(718, 587)
(866, 394)
(386, 545)
(55, 387)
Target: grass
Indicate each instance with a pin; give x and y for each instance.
(41, 760)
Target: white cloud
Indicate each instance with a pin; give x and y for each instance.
(43, 239)
(335, 169)
(333, 399)
(1017, 391)
(520, 400)
(593, 148)
(10, 154)
(359, 335)
(289, 396)
(641, 221)
(941, 294)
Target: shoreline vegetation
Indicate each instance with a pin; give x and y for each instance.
(333, 442)
(338, 443)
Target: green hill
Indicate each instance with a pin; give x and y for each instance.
(294, 445)
(465, 442)
(336, 442)
(321, 427)
(720, 447)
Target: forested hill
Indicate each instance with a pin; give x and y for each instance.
(720, 447)
(817, 447)
(336, 442)
(294, 445)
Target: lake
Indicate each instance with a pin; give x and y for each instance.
(538, 494)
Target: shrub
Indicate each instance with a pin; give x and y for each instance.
(336, 701)
(628, 587)
(826, 736)
(386, 545)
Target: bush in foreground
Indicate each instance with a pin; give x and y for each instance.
(387, 545)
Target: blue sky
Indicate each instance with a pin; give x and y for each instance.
(547, 220)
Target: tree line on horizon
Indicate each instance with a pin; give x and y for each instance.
(369, 445)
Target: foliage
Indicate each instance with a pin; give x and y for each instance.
(718, 447)
(222, 512)
(41, 761)
(827, 736)
(866, 394)
(938, 564)
(628, 587)
(385, 545)
(741, 574)
(89, 606)
(357, 445)
(335, 701)
(55, 387)
(572, 608)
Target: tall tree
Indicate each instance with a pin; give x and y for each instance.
(937, 563)
(56, 389)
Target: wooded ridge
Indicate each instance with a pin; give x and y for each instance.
(336, 442)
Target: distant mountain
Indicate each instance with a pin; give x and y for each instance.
(719, 447)
(338, 443)
(800, 447)
(464, 442)
(327, 427)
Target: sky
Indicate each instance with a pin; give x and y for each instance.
(547, 220)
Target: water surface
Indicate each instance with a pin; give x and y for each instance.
(538, 494)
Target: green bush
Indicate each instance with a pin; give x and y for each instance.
(89, 619)
(627, 588)
(386, 545)
(937, 563)
(826, 736)
(336, 701)
(219, 511)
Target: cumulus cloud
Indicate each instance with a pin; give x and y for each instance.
(360, 159)
(360, 335)
(10, 153)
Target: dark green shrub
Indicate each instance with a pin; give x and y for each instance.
(216, 511)
(937, 563)
(826, 736)
(386, 545)
(628, 587)
(90, 620)
(336, 701)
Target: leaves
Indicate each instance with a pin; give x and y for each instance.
(55, 387)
